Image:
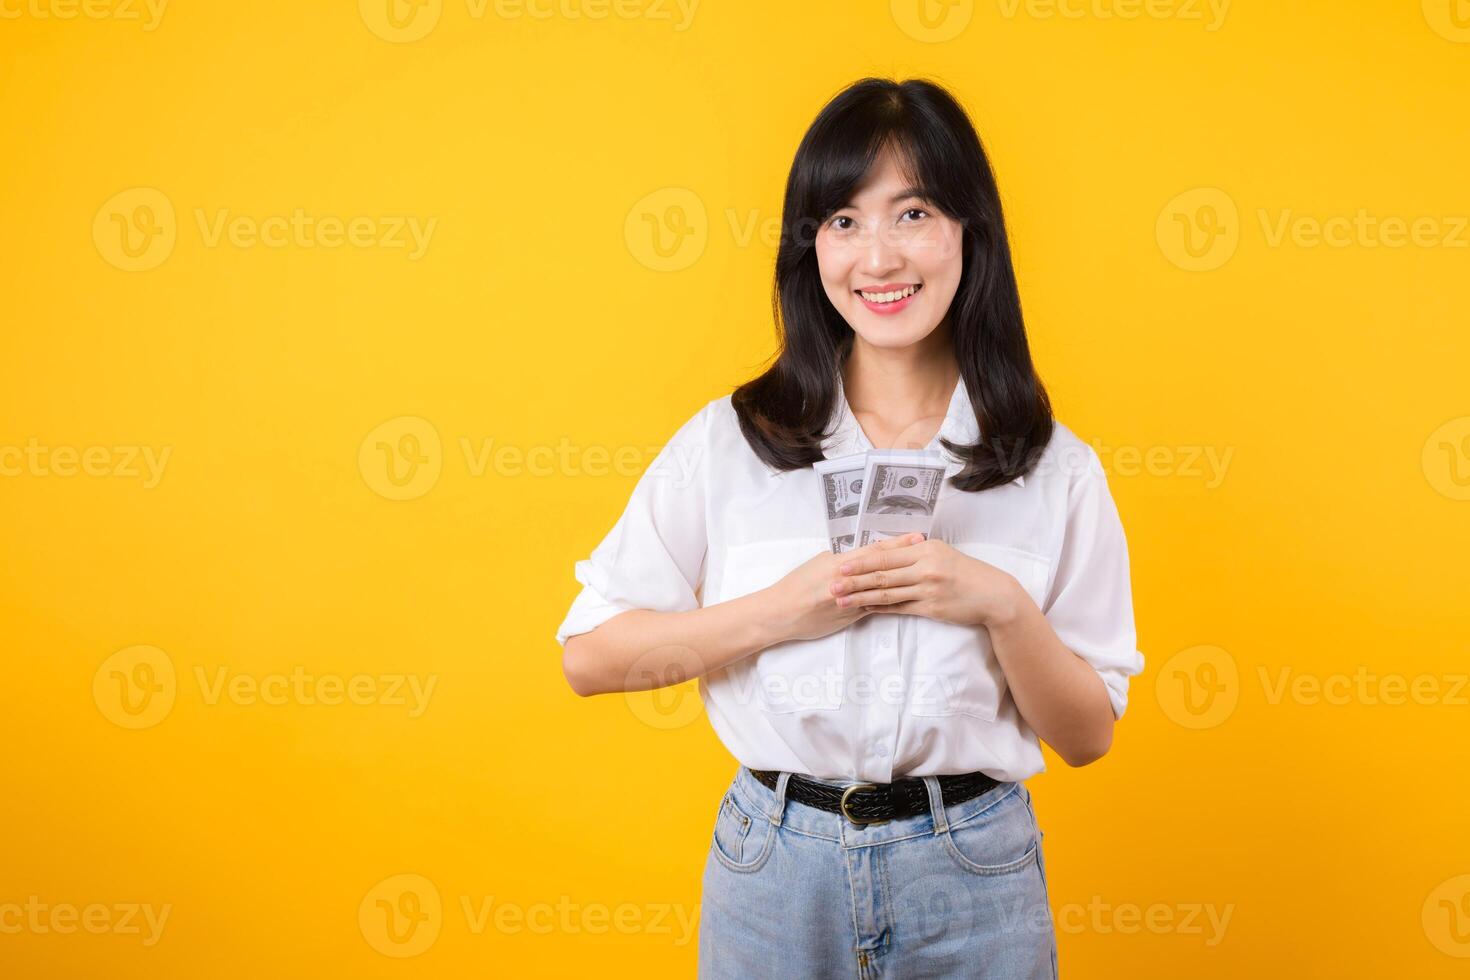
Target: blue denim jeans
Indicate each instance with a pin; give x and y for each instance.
(794, 891)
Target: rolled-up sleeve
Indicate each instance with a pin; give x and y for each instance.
(1090, 604)
(653, 558)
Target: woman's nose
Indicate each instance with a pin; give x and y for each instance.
(880, 253)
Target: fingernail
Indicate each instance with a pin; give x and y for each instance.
(846, 567)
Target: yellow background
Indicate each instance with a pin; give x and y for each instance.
(543, 314)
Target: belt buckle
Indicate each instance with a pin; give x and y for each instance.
(842, 806)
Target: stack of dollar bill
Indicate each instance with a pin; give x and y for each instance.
(882, 493)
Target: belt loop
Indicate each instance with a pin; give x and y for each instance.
(936, 804)
(778, 812)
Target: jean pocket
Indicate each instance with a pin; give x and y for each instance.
(955, 668)
(741, 840)
(1001, 839)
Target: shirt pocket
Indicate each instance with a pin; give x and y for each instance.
(955, 669)
(793, 675)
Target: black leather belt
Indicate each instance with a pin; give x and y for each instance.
(865, 803)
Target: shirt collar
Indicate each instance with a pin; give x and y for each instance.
(847, 437)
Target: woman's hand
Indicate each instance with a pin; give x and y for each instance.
(802, 606)
(925, 577)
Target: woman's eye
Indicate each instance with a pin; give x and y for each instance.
(840, 218)
(919, 211)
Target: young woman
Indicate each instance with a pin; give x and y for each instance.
(885, 703)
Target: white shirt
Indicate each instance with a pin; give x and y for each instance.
(893, 694)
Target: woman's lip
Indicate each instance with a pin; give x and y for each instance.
(885, 309)
(887, 287)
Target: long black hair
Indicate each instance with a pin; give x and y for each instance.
(784, 412)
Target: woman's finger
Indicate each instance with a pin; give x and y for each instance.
(882, 579)
(887, 553)
(882, 597)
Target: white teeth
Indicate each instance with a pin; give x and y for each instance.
(889, 297)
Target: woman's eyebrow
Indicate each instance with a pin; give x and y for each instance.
(909, 192)
(903, 195)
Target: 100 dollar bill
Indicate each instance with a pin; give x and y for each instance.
(900, 489)
(841, 481)
(881, 493)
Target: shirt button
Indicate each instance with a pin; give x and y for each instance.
(881, 750)
(884, 642)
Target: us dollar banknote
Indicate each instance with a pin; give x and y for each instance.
(841, 482)
(900, 492)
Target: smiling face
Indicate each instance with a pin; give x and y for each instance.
(890, 262)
